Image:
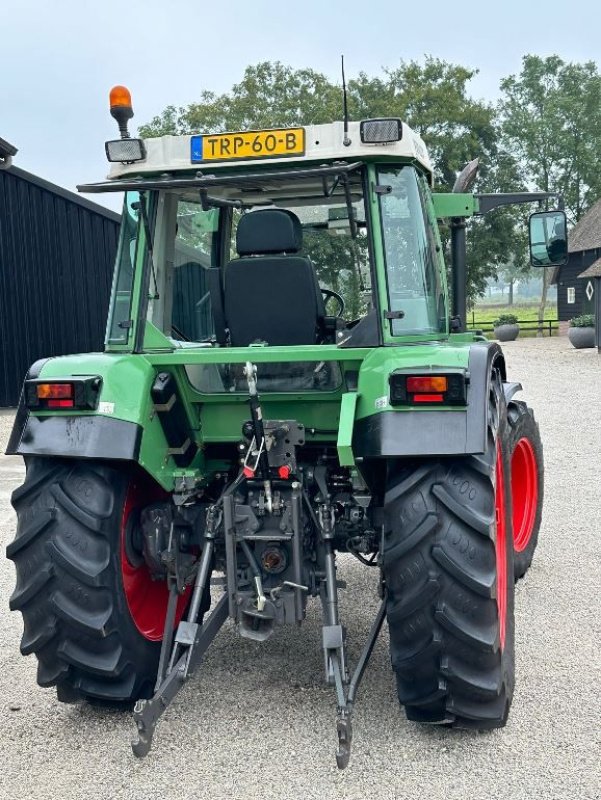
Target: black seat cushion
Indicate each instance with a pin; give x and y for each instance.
(270, 230)
(271, 299)
(271, 295)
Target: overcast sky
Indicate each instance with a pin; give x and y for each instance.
(59, 58)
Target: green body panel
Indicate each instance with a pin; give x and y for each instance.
(373, 390)
(126, 383)
(328, 417)
(345, 429)
(454, 204)
(258, 354)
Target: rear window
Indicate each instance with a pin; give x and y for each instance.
(303, 376)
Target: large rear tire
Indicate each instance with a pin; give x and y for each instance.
(448, 567)
(93, 619)
(527, 483)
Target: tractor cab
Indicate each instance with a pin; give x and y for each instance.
(277, 238)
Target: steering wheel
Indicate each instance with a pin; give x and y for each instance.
(328, 294)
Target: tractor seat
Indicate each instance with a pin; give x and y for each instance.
(271, 294)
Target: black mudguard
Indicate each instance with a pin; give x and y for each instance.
(436, 432)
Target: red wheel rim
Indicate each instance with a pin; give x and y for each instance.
(524, 493)
(501, 546)
(146, 599)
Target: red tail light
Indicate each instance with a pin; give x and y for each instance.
(60, 404)
(80, 392)
(428, 398)
(447, 387)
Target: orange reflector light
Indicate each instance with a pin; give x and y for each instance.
(47, 391)
(120, 96)
(426, 383)
(428, 398)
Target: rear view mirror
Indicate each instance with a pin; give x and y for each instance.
(548, 239)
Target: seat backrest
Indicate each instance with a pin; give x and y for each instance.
(271, 294)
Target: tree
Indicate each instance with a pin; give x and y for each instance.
(432, 97)
(270, 95)
(551, 121)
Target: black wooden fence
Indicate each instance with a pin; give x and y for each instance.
(542, 327)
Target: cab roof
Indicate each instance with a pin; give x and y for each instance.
(322, 143)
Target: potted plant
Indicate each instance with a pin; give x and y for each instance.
(506, 327)
(581, 332)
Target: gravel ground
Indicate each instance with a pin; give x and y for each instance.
(256, 721)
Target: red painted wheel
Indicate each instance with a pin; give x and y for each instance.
(146, 598)
(525, 451)
(524, 492)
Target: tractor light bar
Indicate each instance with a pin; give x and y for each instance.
(126, 151)
(71, 393)
(427, 388)
(381, 131)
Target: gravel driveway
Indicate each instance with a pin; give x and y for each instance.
(257, 721)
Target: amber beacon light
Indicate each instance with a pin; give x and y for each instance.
(126, 150)
(121, 108)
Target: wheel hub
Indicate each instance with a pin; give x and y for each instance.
(524, 493)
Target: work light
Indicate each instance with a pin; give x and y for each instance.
(381, 131)
(125, 150)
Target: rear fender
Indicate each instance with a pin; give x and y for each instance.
(126, 426)
(435, 432)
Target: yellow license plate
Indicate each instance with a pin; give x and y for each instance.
(277, 143)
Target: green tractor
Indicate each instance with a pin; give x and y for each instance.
(283, 382)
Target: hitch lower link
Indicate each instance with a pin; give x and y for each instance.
(181, 653)
(334, 644)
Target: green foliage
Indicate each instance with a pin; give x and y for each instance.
(433, 99)
(337, 261)
(545, 134)
(505, 319)
(497, 243)
(270, 95)
(551, 119)
(583, 321)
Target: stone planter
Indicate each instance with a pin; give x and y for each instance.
(507, 333)
(581, 337)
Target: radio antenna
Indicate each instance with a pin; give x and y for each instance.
(346, 141)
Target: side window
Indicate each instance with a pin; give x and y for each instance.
(571, 294)
(412, 270)
(195, 243)
(120, 311)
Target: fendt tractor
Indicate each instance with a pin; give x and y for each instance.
(283, 383)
